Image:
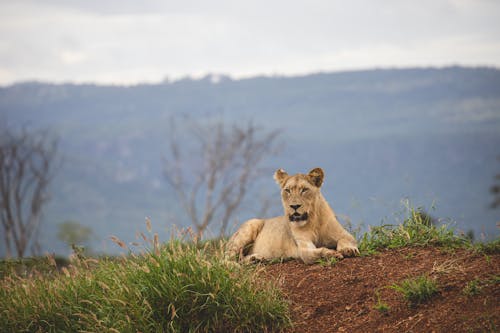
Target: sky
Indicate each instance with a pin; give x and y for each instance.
(130, 41)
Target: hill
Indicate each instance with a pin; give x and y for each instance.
(355, 294)
(412, 277)
(428, 134)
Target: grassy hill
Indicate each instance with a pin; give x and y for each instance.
(410, 277)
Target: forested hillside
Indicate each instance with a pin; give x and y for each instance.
(430, 135)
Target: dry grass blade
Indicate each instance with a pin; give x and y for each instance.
(447, 266)
(117, 241)
(156, 244)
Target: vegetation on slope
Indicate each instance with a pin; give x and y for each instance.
(174, 288)
(186, 287)
(417, 229)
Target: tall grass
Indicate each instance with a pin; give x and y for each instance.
(172, 288)
(417, 229)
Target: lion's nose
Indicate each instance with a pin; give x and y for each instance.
(295, 207)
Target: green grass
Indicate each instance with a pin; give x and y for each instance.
(417, 229)
(492, 247)
(27, 266)
(172, 288)
(472, 288)
(327, 262)
(495, 279)
(417, 290)
(381, 306)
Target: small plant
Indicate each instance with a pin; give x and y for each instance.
(487, 258)
(381, 305)
(409, 256)
(472, 288)
(327, 262)
(417, 290)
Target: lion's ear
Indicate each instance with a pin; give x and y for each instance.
(316, 176)
(280, 176)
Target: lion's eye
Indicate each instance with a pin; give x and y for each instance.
(287, 190)
(304, 190)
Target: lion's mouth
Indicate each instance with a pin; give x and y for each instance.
(297, 217)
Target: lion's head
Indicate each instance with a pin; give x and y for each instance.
(300, 194)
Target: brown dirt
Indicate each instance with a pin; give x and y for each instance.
(342, 297)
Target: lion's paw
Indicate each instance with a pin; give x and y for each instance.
(334, 254)
(349, 251)
(253, 259)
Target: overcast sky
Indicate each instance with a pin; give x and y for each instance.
(130, 41)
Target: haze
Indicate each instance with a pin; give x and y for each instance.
(127, 42)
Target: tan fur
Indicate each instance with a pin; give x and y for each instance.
(307, 231)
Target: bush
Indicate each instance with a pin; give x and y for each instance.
(174, 288)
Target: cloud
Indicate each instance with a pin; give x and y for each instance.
(128, 41)
(71, 57)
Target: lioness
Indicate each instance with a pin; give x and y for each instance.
(307, 231)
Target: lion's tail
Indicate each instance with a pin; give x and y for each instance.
(238, 244)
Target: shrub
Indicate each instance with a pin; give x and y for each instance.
(416, 230)
(174, 288)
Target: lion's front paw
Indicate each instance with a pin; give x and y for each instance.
(333, 254)
(349, 251)
(253, 259)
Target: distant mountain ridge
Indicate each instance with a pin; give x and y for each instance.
(432, 135)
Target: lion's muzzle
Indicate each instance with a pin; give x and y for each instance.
(297, 217)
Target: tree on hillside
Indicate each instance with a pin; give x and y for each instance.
(27, 161)
(213, 171)
(495, 190)
(74, 234)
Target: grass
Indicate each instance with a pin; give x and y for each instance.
(492, 247)
(417, 290)
(171, 288)
(25, 266)
(417, 229)
(327, 262)
(472, 288)
(381, 306)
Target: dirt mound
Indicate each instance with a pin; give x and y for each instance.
(352, 295)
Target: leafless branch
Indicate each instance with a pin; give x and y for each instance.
(214, 175)
(26, 169)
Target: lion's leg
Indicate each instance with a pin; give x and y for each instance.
(242, 238)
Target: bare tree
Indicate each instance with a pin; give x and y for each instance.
(26, 165)
(495, 190)
(212, 178)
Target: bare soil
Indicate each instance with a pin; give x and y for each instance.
(346, 296)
